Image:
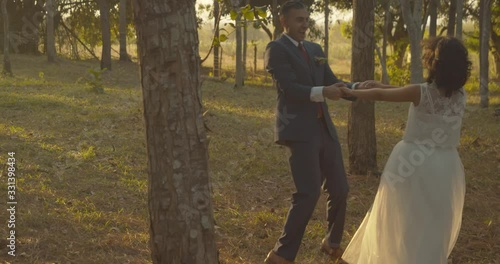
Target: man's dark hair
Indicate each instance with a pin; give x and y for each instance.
(448, 63)
(291, 4)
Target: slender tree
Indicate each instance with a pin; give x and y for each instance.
(239, 47)
(361, 130)
(7, 69)
(460, 15)
(412, 15)
(245, 44)
(484, 67)
(327, 28)
(433, 6)
(383, 60)
(180, 207)
(452, 14)
(123, 31)
(106, 34)
(51, 45)
(216, 47)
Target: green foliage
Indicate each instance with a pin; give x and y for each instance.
(85, 22)
(95, 80)
(471, 41)
(346, 30)
(398, 75)
(41, 75)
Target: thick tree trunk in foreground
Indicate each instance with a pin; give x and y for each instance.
(180, 207)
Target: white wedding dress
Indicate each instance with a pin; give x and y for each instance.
(417, 212)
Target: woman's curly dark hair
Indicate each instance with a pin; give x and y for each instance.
(447, 61)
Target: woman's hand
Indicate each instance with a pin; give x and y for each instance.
(369, 84)
(346, 92)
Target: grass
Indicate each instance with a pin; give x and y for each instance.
(82, 175)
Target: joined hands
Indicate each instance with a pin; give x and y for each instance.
(339, 90)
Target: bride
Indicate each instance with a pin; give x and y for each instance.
(416, 215)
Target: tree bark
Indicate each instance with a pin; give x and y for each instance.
(413, 21)
(7, 69)
(51, 40)
(484, 37)
(361, 129)
(460, 15)
(278, 28)
(180, 207)
(255, 58)
(123, 31)
(327, 28)
(106, 34)
(452, 12)
(216, 68)
(245, 47)
(495, 41)
(383, 59)
(433, 6)
(239, 50)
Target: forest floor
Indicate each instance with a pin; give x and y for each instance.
(81, 168)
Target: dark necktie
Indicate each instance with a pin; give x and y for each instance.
(304, 52)
(306, 57)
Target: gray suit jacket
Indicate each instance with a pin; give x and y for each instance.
(293, 78)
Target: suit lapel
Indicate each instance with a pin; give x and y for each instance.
(295, 50)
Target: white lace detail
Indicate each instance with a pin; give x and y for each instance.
(432, 102)
(437, 120)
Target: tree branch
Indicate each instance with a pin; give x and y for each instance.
(81, 42)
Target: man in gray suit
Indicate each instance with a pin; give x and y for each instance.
(303, 80)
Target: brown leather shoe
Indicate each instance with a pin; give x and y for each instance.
(273, 258)
(334, 253)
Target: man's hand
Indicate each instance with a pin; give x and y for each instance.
(369, 84)
(333, 91)
(346, 92)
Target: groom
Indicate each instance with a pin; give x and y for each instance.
(304, 81)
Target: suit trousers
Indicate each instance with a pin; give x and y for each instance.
(314, 164)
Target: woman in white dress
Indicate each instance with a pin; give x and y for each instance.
(416, 215)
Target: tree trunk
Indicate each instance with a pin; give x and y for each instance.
(7, 70)
(278, 28)
(452, 12)
(361, 131)
(51, 40)
(460, 15)
(413, 21)
(216, 68)
(239, 52)
(180, 207)
(433, 6)
(245, 47)
(255, 58)
(123, 31)
(495, 41)
(484, 37)
(106, 34)
(383, 59)
(327, 28)
(425, 17)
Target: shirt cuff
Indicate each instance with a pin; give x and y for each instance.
(317, 94)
